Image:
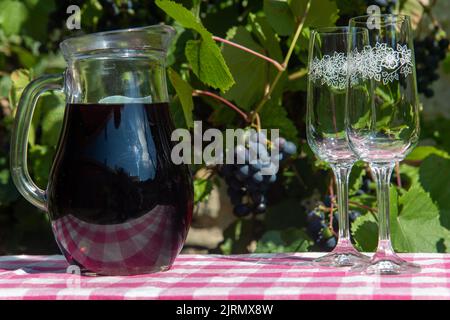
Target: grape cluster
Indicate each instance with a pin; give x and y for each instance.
(247, 185)
(429, 52)
(318, 227)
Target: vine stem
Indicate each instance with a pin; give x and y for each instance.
(298, 74)
(359, 205)
(372, 211)
(277, 65)
(223, 100)
(332, 201)
(413, 163)
(354, 204)
(297, 175)
(258, 122)
(266, 97)
(427, 9)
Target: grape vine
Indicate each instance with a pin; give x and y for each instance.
(247, 185)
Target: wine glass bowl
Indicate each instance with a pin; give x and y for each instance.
(382, 118)
(383, 123)
(326, 95)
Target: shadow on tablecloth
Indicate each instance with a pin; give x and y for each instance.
(268, 258)
(34, 264)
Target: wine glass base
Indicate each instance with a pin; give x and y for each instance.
(342, 257)
(387, 266)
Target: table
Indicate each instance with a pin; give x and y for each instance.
(253, 276)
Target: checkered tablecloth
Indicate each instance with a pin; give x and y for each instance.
(256, 276)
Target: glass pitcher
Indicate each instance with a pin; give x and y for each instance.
(117, 202)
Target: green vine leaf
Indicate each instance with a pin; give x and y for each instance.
(415, 224)
(41, 160)
(183, 16)
(202, 189)
(36, 26)
(208, 64)
(265, 35)
(249, 71)
(91, 12)
(355, 179)
(434, 174)
(280, 16)
(20, 79)
(238, 237)
(274, 116)
(184, 92)
(51, 126)
(204, 55)
(284, 15)
(322, 13)
(13, 15)
(365, 232)
(421, 152)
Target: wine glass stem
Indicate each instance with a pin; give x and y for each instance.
(342, 172)
(382, 174)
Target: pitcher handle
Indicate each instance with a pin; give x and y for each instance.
(19, 139)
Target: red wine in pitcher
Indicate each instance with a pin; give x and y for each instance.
(117, 202)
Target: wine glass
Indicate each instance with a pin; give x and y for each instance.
(327, 84)
(382, 117)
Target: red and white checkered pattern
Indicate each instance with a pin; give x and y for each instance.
(257, 276)
(125, 247)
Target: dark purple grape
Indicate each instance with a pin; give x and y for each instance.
(330, 243)
(315, 220)
(434, 76)
(258, 137)
(258, 151)
(235, 199)
(234, 183)
(241, 210)
(381, 3)
(254, 173)
(290, 148)
(256, 165)
(318, 227)
(244, 170)
(241, 154)
(429, 52)
(260, 208)
(353, 215)
(428, 92)
(279, 142)
(271, 179)
(258, 197)
(443, 44)
(258, 177)
(432, 61)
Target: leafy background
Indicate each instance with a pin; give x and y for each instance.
(30, 31)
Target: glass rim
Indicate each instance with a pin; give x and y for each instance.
(154, 37)
(338, 30)
(363, 19)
